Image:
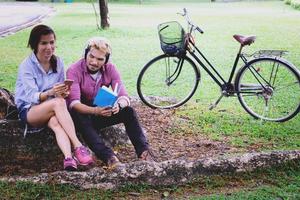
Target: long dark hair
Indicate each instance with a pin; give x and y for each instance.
(34, 39)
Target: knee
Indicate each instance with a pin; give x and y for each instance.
(59, 103)
(53, 123)
(129, 112)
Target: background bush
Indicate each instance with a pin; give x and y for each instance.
(294, 3)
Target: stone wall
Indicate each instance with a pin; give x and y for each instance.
(42, 145)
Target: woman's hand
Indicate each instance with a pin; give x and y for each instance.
(60, 90)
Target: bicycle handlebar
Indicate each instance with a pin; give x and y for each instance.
(190, 23)
(199, 29)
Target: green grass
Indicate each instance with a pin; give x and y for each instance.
(134, 38)
(232, 124)
(26, 190)
(262, 185)
(135, 41)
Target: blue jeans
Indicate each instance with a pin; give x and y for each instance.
(88, 125)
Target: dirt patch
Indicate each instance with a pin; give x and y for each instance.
(169, 136)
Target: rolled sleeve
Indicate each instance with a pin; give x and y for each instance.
(72, 103)
(116, 79)
(36, 97)
(75, 88)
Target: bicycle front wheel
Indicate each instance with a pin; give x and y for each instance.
(168, 81)
(269, 89)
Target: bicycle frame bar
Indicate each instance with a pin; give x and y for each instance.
(214, 74)
(176, 72)
(235, 64)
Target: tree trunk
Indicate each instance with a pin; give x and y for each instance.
(104, 14)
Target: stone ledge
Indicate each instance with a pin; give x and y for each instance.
(43, 144)
(164, 173)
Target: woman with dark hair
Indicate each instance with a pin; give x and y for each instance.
(40, 94)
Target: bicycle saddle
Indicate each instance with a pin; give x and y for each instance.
(245, 40)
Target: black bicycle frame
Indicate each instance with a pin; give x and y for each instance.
(214, 74)
(176, 72)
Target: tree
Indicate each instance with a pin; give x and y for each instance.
(104, 14)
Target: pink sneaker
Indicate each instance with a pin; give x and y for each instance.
(83, 156)
(70, 164)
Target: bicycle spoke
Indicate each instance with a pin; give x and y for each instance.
(286, 86)
(277, 67)
(167, 81)
(254, 72)
(269, 89)
(177, 70)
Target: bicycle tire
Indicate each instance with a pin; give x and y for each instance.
(159, 86)
(269, 89)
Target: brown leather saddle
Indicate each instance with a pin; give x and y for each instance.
(245, 40)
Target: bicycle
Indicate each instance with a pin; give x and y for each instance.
(267, 86)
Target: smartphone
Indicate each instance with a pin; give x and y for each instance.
(108, 108)
(68, 82)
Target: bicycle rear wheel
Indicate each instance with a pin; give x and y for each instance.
(269, 89)
(168, 81)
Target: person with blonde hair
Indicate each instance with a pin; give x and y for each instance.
(40, 93)
(90, 73)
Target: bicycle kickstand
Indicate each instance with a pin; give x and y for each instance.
(213, 105)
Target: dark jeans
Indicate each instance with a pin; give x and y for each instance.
(88, 125)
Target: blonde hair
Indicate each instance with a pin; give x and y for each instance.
(99, 43)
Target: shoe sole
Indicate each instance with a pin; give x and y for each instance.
(70, 168)
(84, 164)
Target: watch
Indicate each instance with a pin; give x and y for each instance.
(120, 107)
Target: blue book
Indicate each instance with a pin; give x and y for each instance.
(105, 97)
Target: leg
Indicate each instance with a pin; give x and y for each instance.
(61, 137)
(40, 114)
(133, 128)
(91, 137)
(63, 143)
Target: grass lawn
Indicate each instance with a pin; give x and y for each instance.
(134, 39)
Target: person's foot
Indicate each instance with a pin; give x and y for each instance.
(70, 164)
(147, 155)
(113, 162)
(83, 156)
